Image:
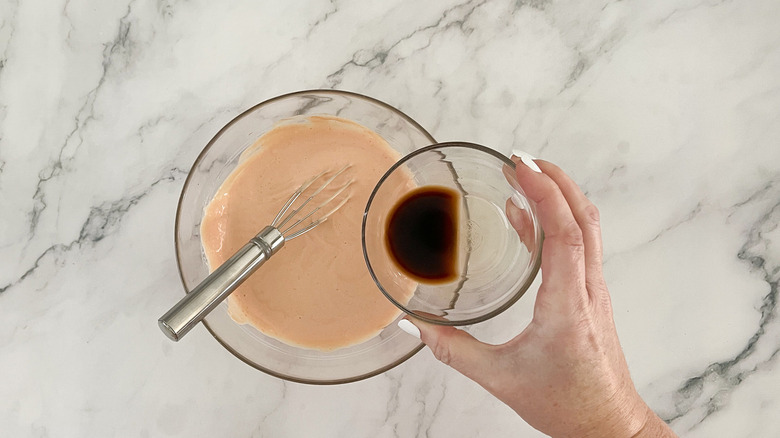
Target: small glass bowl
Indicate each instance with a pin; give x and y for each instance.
(497, 259)
(217, 160)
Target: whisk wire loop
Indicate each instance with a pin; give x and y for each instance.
(295, 211)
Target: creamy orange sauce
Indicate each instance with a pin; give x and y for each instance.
(316, 292)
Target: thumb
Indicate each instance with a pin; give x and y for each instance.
(455, 348)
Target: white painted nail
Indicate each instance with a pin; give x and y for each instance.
(527, 159)
(517, 201)
(409, 328)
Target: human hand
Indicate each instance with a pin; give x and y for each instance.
(565, 374)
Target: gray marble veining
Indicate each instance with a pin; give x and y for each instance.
(666, 112)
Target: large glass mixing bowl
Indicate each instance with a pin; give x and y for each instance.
(217, 160)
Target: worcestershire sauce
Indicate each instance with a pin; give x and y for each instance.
(422, 234)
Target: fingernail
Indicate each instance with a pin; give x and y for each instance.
(409, 328)
(527, 159)
(517, 201)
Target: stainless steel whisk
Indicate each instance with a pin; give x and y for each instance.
(191, 309)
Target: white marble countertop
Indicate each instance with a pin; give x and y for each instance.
(666, 112)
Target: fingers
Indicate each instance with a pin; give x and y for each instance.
(587, 216)
(563, 268)
(455, 348)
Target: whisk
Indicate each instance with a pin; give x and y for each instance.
(288, 224)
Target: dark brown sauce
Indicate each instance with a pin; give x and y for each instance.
(422, 234)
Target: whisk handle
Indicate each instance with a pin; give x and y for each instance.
(191, 309)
